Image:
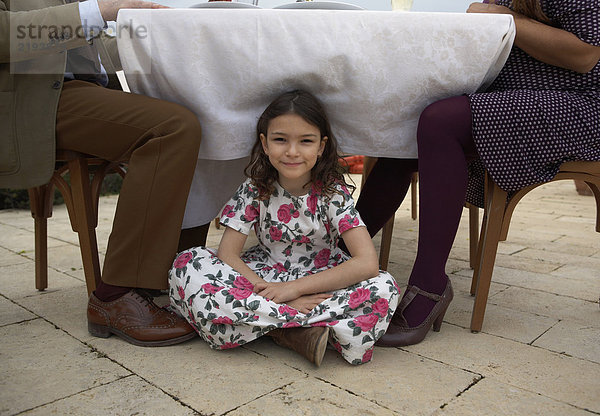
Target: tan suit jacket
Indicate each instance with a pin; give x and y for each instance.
(34, 37)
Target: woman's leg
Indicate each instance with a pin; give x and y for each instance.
(445, 144)
(384, 191)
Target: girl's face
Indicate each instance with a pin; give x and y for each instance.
(293, 146)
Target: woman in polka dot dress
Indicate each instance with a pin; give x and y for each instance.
(541, 111)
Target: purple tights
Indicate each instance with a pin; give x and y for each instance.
(445, 143)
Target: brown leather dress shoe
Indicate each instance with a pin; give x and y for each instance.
(137, 320)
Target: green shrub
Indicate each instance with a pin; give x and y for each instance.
(19, 198)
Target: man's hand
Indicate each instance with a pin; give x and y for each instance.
(110, 8)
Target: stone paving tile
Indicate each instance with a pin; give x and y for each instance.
(525, 236)
(64, 258)
(126, 396)
(548, 304)
(11, 313)
(578, 259)
(549, 248)
(593, 241)
(18, 240)
(544, 265)
(505, 248)
(582, 289)
(508, 323)
(492, 398)
(574, 339)
(209, 381)
(311, 397)
(577, 272)
(566, 379)
(391, 377)
(577, 219)
(19, 218)
(41, 364)
(65, 308)
(567, 228)
(18, 281)
(8, 257)
(462, 283)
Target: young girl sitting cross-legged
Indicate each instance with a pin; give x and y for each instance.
(296, 285)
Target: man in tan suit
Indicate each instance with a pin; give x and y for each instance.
(52, 96)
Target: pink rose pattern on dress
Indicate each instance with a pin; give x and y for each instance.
(311, 201)
(366, 322)
(222, 320)
(358, 297)
(322, 258)
(285, 309)
(243, 283)
(381, 306)
(367, 355)
(286, 212)
(228, 211)
(297, 237)
(275, 233)
(182, 260)
(250, 213)
(347, 223)
(240, 294)
(211, 289)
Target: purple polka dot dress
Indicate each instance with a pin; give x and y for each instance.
(536, 116)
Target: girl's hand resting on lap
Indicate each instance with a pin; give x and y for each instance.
(286, 292)
(305, 304)
(277, 292)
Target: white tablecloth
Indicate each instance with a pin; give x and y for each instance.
(374, 71)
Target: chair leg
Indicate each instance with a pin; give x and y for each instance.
(85, 221)
(386, 244)
(368, 164)
(473, 234)
(41, 253)
(595, 188)
(477, 261)
(414, 195)
(40, 202)
(488, 245)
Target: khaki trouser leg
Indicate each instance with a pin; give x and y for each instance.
(160, 140)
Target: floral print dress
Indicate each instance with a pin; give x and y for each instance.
(297, 236)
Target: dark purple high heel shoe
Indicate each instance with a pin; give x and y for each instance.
(399, 334)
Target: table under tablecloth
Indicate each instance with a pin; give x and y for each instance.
(374, 71)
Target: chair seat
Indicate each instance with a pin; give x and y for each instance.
(592, 168)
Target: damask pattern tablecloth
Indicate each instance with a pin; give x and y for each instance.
(374, 71)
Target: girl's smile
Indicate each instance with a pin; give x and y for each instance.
(293, 146)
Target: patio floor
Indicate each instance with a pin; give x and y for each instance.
(538, 353)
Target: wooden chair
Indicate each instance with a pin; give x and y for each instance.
(388, 229)
(496, 219)
(81, 193)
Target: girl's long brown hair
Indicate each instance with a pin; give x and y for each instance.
(327, 171)
(530, 8)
